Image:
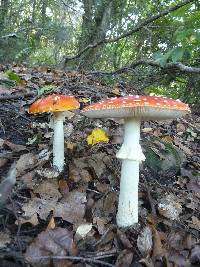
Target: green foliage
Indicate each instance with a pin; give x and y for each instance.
(187, 40)
(42, 56)
(48, 31)
(13, 76)
(46, 89)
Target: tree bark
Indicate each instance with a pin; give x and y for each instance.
(3, 12)
(96, 20)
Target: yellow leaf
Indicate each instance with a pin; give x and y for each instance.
(70, 145)
(116, 91)
(51, 224)
(97, 136)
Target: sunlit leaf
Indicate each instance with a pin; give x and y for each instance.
(97, 136)
(13, 76)
(177, 54)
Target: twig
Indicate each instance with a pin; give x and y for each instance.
(101, 254)
(112, 227)
(129, 33)
(13, 35)
(169, 66)
(76, 258)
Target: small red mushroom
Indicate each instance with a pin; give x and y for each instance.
(133, 109)
(58, 105)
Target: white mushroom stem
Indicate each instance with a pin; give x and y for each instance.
(58, 141)
(131, 155)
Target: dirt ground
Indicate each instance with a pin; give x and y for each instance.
(70, 220)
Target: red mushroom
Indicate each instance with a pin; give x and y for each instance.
(58, 105)
(133, 109)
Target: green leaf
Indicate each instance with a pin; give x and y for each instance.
(13, 76)
(182, 11)
(177, 54)
(197, 36)
(158, 56)
(45, 89)
(188, 53)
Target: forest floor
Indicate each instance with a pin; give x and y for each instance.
(70, 220)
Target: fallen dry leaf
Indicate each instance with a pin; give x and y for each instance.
(14, 147)
(83, 230)
(167, 139)
(169, 207)
(48, 190)
(116, 90)
(51, 224)
(144, 241)
(180, 128)
(194, 185)
(157, 244)
(72, 207)
(77, 174)
(26, 161)
(4, 239)
(124, 259)
(3, 161)
(32, 219)
(58, 242)
(97, 162)
(36, 206)
(63, 186)
(185, 149)
(195, 255)
(27, 179)
(124, 239)
(147, 130)
(195, 223)
(105, 207)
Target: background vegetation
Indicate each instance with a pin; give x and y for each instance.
(152, 44)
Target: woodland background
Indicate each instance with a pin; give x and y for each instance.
(154, 45)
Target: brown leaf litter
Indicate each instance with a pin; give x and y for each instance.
(70, 221)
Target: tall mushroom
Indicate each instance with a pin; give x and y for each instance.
(58, 105)
(133, 109)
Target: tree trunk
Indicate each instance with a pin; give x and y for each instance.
(96, 22)
(3, 12)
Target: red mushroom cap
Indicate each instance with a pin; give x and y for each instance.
(54, 103)
(144, 107)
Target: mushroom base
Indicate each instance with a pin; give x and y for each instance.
(127, 214)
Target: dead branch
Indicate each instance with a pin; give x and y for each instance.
(76, 258)
(169, 66)
(129, 33)
(154, 63)
(9, 35)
